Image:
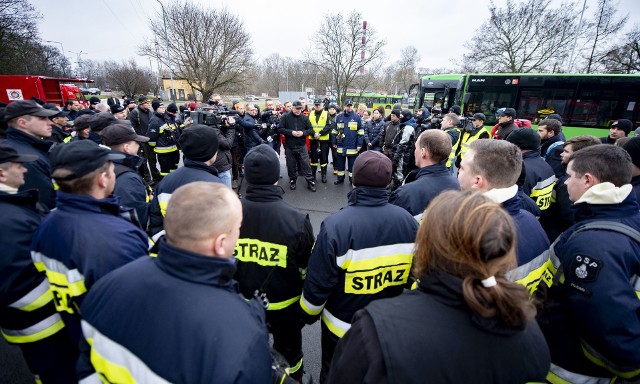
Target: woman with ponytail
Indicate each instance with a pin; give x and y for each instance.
(465, 323)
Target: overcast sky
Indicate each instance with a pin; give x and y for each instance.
(112, 29)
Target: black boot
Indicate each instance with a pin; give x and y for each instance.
(313, 173)
(292, 184)
(312, 186)
(324, 176)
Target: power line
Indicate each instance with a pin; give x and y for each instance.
(116, 17)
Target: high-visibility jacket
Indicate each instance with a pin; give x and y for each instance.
(454, 133)
(163, 133)
(81, 241)
(539, 180)
(363, 252)
(272, 257)
(348, 134)
(141, 315)
(466, 138)
(320, 126)
(27, 311)
(590, 320)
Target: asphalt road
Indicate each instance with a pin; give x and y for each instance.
(329, 198)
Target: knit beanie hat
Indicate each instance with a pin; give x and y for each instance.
(395, 112)
(633, 147)
(172, 108)
(199, 142)
(155, 104)
(624, 124)
(372, 169)
(262, 166)
(525, 138)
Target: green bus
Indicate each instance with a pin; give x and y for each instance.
(374, 100)
(587, 101)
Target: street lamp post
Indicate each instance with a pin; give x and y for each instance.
(166, 39)
(64, 70)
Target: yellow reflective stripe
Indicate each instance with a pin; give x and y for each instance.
(335, 325)
(373, 281)
(310, 308)
(282, 304)
(58, 274)
(163, 202)
(168, 149)
(352, 125)
(351, 151)
(542, 192)
(37, 379)
(361, 132)
(601, 361)
(559, 375)
(359, 257)
(152, 143)
(36, 298)
(454, 148)
(36, 332)
(543, 268)
(296, 367)
(114, 362)
(418, 217)
(261, 252)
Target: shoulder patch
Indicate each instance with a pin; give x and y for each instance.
(584, 268)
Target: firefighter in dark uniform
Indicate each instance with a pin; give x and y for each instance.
(273, 252)
(28, 317)
(358, 257)
(347, 137)
(319, 141)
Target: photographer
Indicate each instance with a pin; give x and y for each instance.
(271, 117)
(471, 131)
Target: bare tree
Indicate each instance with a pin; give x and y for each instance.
(337, 49)
(405, 73)
(128, 77)
(625, 57)
(525, 36)
(209, 48)
(600, 32)
(273, 71)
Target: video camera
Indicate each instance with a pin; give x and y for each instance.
(212, 115)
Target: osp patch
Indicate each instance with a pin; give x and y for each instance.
(585, 268)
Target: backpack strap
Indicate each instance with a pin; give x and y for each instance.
(551, 147)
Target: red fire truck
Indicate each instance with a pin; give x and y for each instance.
(50, 89)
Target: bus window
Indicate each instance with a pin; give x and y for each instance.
(489, 99)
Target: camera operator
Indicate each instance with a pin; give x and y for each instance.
(271, 118)
(251, 126)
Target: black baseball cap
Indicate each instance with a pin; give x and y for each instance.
(349, 102)
(506, 112)
(53, 107)
(479, 116)
(94, 100)
(297, 104)
(120, 133)
(317, 102)
(26, 108)
(117, 108)
(10, 155)
(80, 157)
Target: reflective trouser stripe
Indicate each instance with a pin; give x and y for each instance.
(310, 308)
(39, 331)
(335, 325)
(601, 361)
(114, 362)
(283, 304)
(168, 149)
(37, 298)
(296, 367)
(558, 375)
(163, 202)
(352, 151)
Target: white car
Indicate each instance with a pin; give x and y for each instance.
(251, 97)
(93, 91)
